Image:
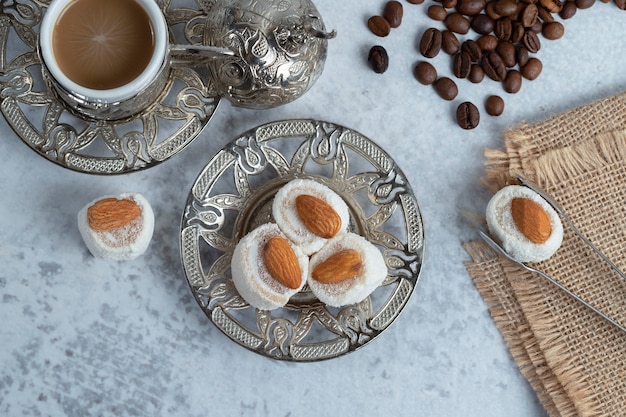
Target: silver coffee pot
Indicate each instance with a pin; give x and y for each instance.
(277, 49)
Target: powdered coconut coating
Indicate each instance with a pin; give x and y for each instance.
(250, 276)
(122, 244)
(286, 215)
(353, 290)
(503, 228)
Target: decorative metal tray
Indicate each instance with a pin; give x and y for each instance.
(233, 194)
(44, 123)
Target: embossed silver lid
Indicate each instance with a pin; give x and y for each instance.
(279, 49)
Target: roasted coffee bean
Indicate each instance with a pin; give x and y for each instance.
(430, 43)
(490, 11)
(553, 30)
(446, 88)
(379, 26)
(437, 12)
(529, 15)
(531, 41)
(532, 69)
(544, 15)
(477, 74)
(416, 1)
(522, 56)
(621, 4)
(537, 27)
(457, 23)
(507, 52)
(584, 4)
(569, 10)
(518, 32)
(449, 4)
(425, 73)
(553, 6)
(378, 59)
(493, 66)
(482, 24)
(393, 13)
(513, 82)
(472, 49)
(494, 105)
(487, 43)
(470, 7)
(467, 115)
(505, 7)
(504, 28)
(449, 42)
(461, 64)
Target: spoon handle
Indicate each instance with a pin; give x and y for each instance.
(502, 252)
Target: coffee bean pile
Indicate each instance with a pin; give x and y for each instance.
(508, 35)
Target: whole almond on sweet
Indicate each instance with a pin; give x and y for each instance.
(343, 265)
(531, 220)
(112, 213)
(318, 216)
(282, 263)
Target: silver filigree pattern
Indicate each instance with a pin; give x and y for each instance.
(46, 124)
(233, 194)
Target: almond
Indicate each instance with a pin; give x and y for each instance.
(341, 266)
(531, 220)
(112, 213)
(282, 263)
(318, 216)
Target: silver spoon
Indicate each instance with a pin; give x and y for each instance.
(564, 216)
(502, 252)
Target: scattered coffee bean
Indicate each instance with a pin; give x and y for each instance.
(378, 59)
(545, 15)
(467, 115)
(584, 4)
(449, 4)
(493, 66)
(487, 43)
(531, 41)
(494, 105)
(461, 65)
(416, 1)
(437, 12)
(449, 42)
(532, 69)
(425, 73)
(553, 6)
(457, 23)
(393, 12)
(513, 81)
(446, 88)
(517, 32)
(529, 15)
(507, 52)
(470, 7)
(379, 26)
(430, 44)
(569, 10)
(504, 28)
(505, 7)
(472, 49)
(482, 24)
(522, 56)
(477, 74)
(553, 30)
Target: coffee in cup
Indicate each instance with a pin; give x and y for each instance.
(108, 59)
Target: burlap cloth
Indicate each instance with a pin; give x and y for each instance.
(573, 359)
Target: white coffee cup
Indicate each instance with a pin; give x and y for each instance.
(114, 103)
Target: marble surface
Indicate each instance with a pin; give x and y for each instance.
(86, 337)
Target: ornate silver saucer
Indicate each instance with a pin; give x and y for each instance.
(45, 124)
(233, 194)
(276, 51)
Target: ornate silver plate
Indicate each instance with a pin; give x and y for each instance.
(45, 124)
(233, 194)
